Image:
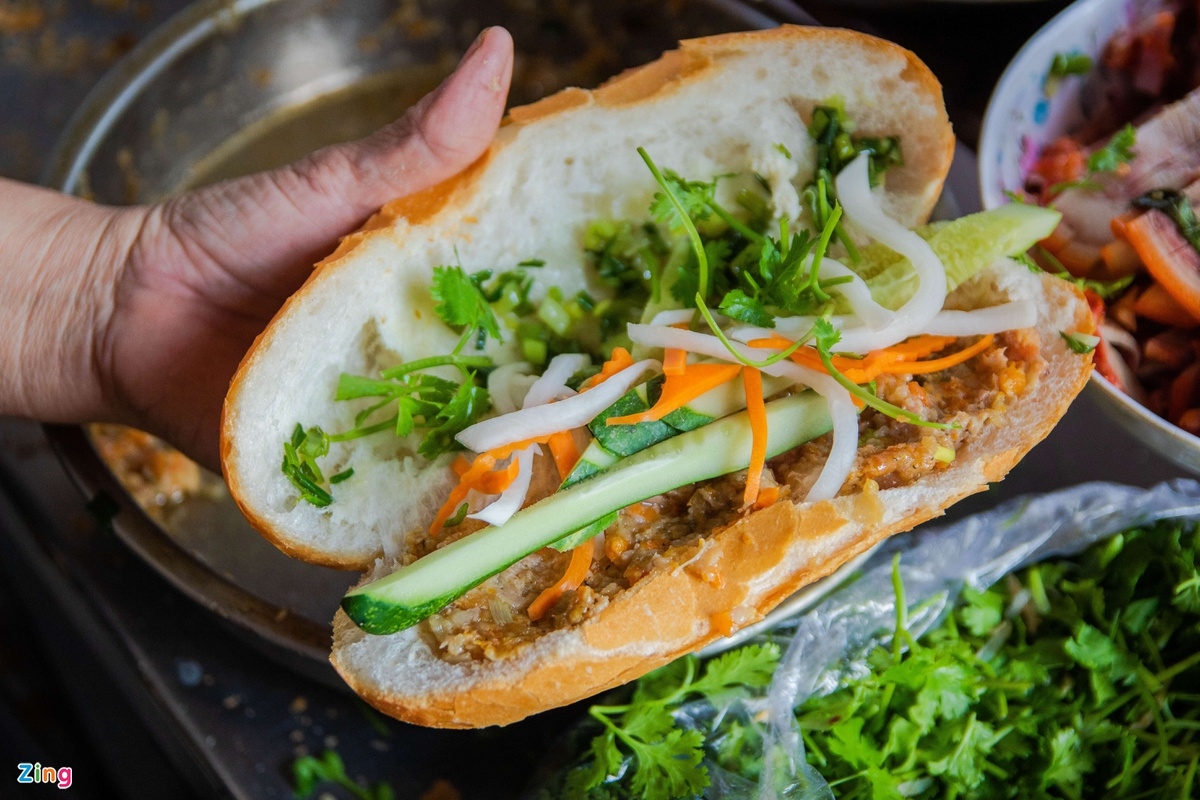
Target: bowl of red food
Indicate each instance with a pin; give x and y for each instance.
(1098, 116)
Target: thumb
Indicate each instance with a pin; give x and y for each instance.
(266, 230)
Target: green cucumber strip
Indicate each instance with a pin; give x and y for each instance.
(584, 534)
(625, 440)
(685, 419)
(412, 593)
(593, 460)
(965, 246)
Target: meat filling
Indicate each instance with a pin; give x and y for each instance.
(490, 622)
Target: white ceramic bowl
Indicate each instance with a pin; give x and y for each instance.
(1019, 122)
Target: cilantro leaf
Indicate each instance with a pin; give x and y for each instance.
(1118, 151)
(309, 771)
(1069, 760)
(670, 767)
(300, 454)
(694, 196)
(460, 302)
(751, 666)
(738, 305)
(966, 762)
(1091, 648)
(982, 612)
(467, 405)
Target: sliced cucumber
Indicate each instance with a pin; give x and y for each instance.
(583, 534)
(594, 459)
(625, 440)
(965, 246)
(412, 593)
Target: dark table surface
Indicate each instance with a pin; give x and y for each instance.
(107, 669)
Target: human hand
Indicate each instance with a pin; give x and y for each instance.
(141, 315)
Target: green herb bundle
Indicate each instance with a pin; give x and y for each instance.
(1077, 678)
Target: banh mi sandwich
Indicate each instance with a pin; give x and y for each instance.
(668, 352)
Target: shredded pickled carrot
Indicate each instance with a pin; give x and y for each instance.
(937, 364)
(619, 361)
(859, 370)
(674, 358)
(894, 360)
(482, 476)
(576, 574)
(679, 390)
(923, 345)
(674, 361)
(564, 451)
(497, 480)
(767, 496)
(482, 465)
(757, 411)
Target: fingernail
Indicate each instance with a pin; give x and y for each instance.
(475, 45)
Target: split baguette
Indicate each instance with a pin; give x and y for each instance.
(715, 106)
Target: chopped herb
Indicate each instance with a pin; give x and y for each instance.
(663, 757)
(441, 407)
(1062, 65)
(1118, 151)
(300, 454)
(531, 262)
(1176, 206)
(1081, 343)
(781, 147)
(309, 771)
(1107, 159)
(1073, 63)
(459, 516)
(463, 410)
(462, 305)
(737, 305)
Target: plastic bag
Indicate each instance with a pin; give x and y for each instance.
(830, 642)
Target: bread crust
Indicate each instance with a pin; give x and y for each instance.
(911, 192)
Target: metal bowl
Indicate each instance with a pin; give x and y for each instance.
(227, 87)
(1019, 122)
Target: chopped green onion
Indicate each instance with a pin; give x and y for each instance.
(1082, 343)
(534, 350)
(458, 517)
(1073, 63)
(554, 315)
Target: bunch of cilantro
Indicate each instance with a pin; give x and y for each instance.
(1076, 678)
